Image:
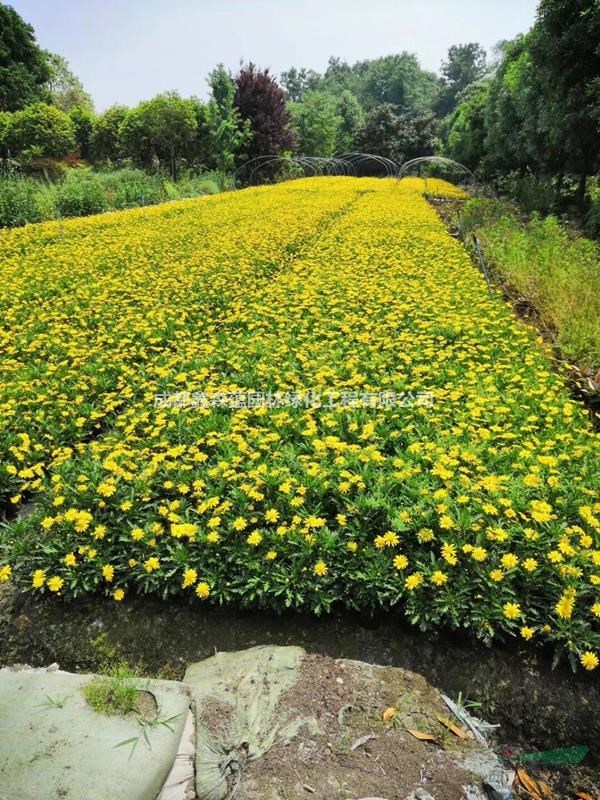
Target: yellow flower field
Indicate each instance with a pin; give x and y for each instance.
(297, 396)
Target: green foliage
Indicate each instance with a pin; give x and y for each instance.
(39, 131)
(465, 129)
(65, 89)
(83, 121)
(592, 222)
(556, 271)
(316, 123)
(400, 138)
(351, 116)
(466, 65)
(227, 133)
(18, 202)
(105, 140)
(115, 693)
(23, 66)
(80, 194)
(297, 82)
(162, 129)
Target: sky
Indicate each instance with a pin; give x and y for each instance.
(125, 51)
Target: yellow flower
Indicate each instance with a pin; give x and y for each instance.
(212, 537)
(400, 561)
(271, 555)
(190, 576)
(70, 560)
(511, 610)
(202, 590)
(342, 519)
(439, 578)
(479, 554)
(55, 583)
(352, 546)
(5, 573)
(272, 515)
(497, 575)
(564, 607)
(108, 572)
(254, 539)
(151, 564)
(527, 633)
(137, 534)
(449, 553)
(530, 564)
(595, 609)
(509, 561)
(320, 568)
(413, 581)
(39, 578)
(239, 524)
(118, 594)
(589, 660)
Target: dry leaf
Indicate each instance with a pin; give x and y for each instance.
(456, 729)
(389, 713)
(546, 790)
(423, 737)
(529, 784)
(584, 796)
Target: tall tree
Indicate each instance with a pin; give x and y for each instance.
(297, 82)
(351, 119)
(83, 121)
(40, 131)
(565, 52)
(66, 90)
(105, 141)
(465, 65)
(465, 129)
(399, 137)
(261, 102)
(227, 132)
(163, 128)
(316, 123)
(23, 66)
(398, 80)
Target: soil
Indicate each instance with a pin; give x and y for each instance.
(338, 762)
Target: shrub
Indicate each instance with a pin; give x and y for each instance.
(129, 188)
(18, 204)
(81, 194)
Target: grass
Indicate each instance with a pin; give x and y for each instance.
(554, 269)
(81, 192)
(115, 693)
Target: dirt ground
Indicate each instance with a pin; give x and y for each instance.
(352, 753)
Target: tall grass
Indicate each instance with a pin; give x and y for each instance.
(550, 266)
(84, 191)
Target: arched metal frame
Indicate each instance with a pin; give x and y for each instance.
(345, 164)
(445, 162)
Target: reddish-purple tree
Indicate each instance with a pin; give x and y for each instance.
(261, 100)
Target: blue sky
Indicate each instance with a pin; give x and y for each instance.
(128, 50)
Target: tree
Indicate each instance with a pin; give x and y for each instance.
(261, 102)
(65, 88)
(83, 120)
(316, 123)
(163, 128)
(105, 139)
(465, 129)
(297, 83)
(23, 65)
(466, 64)
(566, 55)
(397, 80)
(382, 133)
(227, 133)
(351, 119)
(398, 137)
(40, 131)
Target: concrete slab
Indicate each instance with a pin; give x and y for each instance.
(54, 747)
